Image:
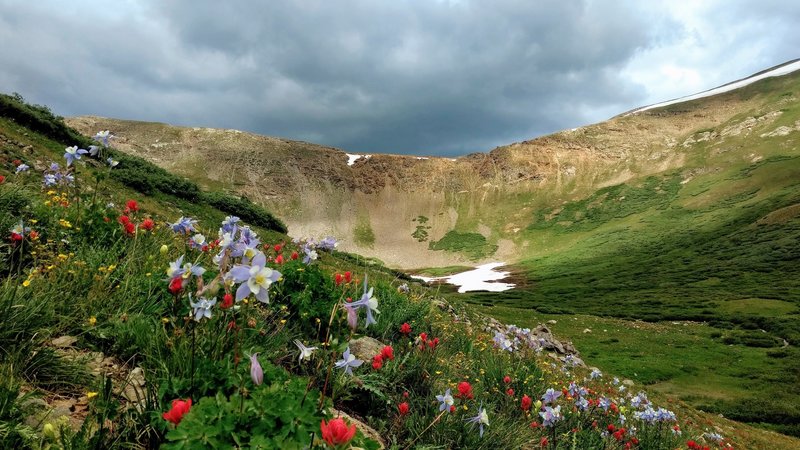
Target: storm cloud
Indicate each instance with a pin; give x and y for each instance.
(421, 77)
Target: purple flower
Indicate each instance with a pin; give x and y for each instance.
(582, 404)
(256, 372)
(309, 254)
(481, 419)
(255, 278)
(595, 374)
(103, 137)
(352, 316)
(229, 225)
(73, 153)
(112, 163)
(94, 150)
(184, 225)
(202, 308)
(197, 241)
(305, 352)
(348, 362)
(50, 179)
(551, 395)
(446, 400)
(604, 403)
(329, 243)
(22, 168)
(368, 302)
(550, 416)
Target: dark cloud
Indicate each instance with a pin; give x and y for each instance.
(424, 77)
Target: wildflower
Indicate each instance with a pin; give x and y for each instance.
(387, 352)
(227, 301)
(716, 437)
(256, 372)
(352, 317)
(405, 329)
(294, 256)
(277, 248)
(92, 321)
(337, 432)
(338, 279)
(305, 352)
(112, 163)
(481, 419)
(526, 402)
(582, 404)
(184, 225)
(348, 362)
(130, 228)
(595, 374)
(377, 362)
(147, 224)
(550, 396)
(550, 415)
(178, 410)
(465, 390)
(164, 249)
(279, 259)
(446, 400)
(2, 179)
(329, 243)
(94, 150)
(103, 137)
(90, 395)
(132, 205)
(202, 308)
(310, 254)
(506, 379)
(73, 153)
(403, 288)
(197, 241)
(255, 278)
(403, 408)
(604, 403)
(348, 277)
(22, 168)
(49, 179)
(510, 392)
(368, 302)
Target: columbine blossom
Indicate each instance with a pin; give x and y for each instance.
(22, 168)
(595, 374)
(604, 403)
(348, 362)
(368, 302)
(73, 153)
(329, 243)
(50, 180)
(309, 254)
(202, 308)
(197, 241)
(582, 403)
(503, 342)
(184, 225)
(446, 400)
(305, 352)
(229, 225)
(94, 150)
(112, 163)
(178, 269)
(550, 416)
(551, 395)
(255, 278)
(481, 419)
(639, 400)
(256, 372)
(103, 137)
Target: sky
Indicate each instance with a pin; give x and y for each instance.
(422, 77)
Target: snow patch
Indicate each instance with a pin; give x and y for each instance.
(481, 278)
(421, 157)
(352, 158)
(776, 72)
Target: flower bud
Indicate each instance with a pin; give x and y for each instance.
(164, 249)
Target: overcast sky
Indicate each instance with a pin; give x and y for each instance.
(416, 76)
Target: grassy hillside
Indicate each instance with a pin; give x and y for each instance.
(100, 350)
(714, 245)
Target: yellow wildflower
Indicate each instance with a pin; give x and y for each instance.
(26, 283)
(92, 321)
(91, 395)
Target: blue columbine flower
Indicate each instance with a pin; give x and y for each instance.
(481, 419)
(446, 400)
(229, 225)
(368, 302)
(22, 168)
(256, 372)
(73, 153)
(604, 403)
(582, 404)
(550, 415)
(595, 374)
(50, 180)
(348, 362)
(202, 308)
(305, 352)
(112, 163)
(329, 244)
(551, 395)
(184, 225)
(309, 254)
(255, 278)
(103, 137)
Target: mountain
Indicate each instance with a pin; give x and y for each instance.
(684, 214)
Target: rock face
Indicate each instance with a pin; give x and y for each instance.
(365, 348)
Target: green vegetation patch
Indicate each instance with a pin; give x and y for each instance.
(473, 245)
(362, 232)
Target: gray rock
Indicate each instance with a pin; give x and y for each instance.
(365, 348)
(64, 341)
